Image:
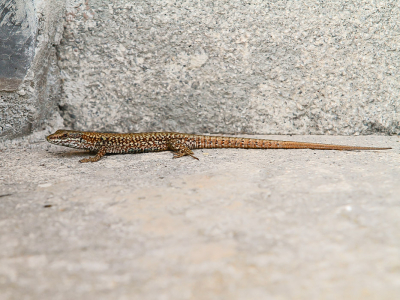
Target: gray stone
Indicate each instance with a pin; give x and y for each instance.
(210, 66)
(230, 66)
(18, 28)
(30, 80)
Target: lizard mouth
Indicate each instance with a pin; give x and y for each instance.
(52, 140)
(49, 139)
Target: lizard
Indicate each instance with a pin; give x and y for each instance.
(181, 144)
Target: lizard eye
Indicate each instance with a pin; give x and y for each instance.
(65, 135)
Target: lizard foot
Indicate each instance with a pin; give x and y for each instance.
(95, 158)
(90, 159)
(180, 149)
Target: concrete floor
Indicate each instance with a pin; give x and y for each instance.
(238, 224)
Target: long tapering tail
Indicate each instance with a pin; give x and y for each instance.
(249, 143)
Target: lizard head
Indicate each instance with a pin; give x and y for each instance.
(68, 138)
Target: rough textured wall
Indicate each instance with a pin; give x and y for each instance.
(232, 66)
(29, 75)
(18, 26)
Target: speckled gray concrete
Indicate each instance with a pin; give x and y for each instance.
(238, 224)
(265, 67)
(209, 66)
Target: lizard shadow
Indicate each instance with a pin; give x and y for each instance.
(73, 154)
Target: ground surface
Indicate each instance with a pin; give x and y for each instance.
(238, 224)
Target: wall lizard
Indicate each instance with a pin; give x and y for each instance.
(180, 143)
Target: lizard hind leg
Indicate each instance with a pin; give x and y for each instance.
(180, 149)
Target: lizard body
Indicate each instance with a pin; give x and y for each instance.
(181, 143)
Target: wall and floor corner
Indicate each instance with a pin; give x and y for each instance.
(294, 67)
(236, 224)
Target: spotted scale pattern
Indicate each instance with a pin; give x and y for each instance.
(181, 143)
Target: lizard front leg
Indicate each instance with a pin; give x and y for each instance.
(97, 157)
(180, 149)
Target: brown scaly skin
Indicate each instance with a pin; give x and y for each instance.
(181, 143)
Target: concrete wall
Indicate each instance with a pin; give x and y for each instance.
(231, 66)
(266, 67)
(29, 75)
